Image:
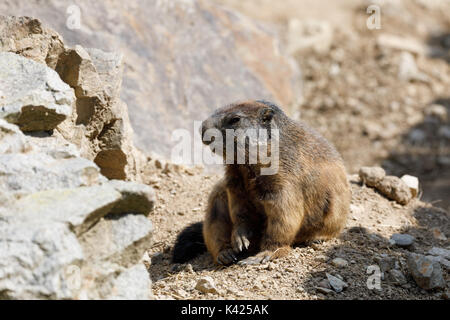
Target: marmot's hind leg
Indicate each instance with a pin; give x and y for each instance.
(218, 226)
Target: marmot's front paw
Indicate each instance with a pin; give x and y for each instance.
(226, 257)
(239, 239)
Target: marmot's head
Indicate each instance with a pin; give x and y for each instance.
(243, 122)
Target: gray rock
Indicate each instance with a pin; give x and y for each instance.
(34, 257)
(401, 240)
(396, 277)
(324, 283)
(426, 272)
(106, 280)
(31, 94)
(444, 132)
(133, 283)
(444, 262)
(337, 284)
(386, 262)
(136, 197)
(23, 174)
(121, 239)
(371, 176)
(54, 146)
(80, 207)
(324, 286)
(324, 290)
(417, 136)
(12, 139)
(436, 251)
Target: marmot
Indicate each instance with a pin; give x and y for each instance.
(253, 218)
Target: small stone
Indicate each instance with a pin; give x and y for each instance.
(401, 43)
(339, 262)
(188, 268)
(444, 262)
(300, 289)
(386, 262)
(437, 234)
(270, 266)
(413, 184)
(401, 240)
(324, 283)
(408, 70)
(396, 277)
(426, 272)
(417, 136)
(371, 176)
(206, 285)
(321, 257)
(324, 290)
(337, 284)
(435, 251)
(444, 132)
(395, 189)
(438, 111)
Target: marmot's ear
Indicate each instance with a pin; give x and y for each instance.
(267, 114)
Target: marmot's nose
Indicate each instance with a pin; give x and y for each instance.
(207, 124)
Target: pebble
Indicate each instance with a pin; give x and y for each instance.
(437, 234)
(396, 277)
(435, 251)
(324, 283)
(444, 262)
(339, 262)
(337, 284)
(394, 188)
(371, 176)
(323, 290)
(386, 262)
(444, 132)
(438, 111)
(206, 285)
(426, 273)
(322, 258)
(408, 69)
(413, 184)
(402, 240)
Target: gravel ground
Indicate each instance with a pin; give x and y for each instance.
(365, 240)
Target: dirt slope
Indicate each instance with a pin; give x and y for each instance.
(182, 199)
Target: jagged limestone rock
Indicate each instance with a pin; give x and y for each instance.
(31, 94)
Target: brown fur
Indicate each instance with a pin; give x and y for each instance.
(307, 199)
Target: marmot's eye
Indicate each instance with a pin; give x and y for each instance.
(233, 120)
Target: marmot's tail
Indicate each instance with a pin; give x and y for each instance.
(189, 243)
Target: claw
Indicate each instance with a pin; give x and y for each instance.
(246, 243)
(226, 257)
